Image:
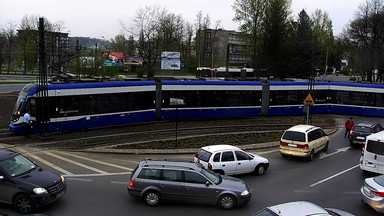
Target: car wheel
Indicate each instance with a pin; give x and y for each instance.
(326, 147)
(311, 155)
(24, 204)
(152, 198)
(260, 169)
(226, 202)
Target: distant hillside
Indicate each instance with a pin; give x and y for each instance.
(89, 42)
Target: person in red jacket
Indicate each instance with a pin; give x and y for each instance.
(348, 126)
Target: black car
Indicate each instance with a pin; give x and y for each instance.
(25, 185)
(361, 130)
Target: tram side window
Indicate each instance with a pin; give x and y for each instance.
(360, 98)
(68, 106)
(343, 97)
(145, 100)
(111, 103)
(379, 100)
(90, 104)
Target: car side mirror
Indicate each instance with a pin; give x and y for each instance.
(2, 179)
(207, 183)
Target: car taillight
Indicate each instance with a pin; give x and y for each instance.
(380, 194)
(131, 183)
(351, 132)
(209, 166)
(362, 151)
(306, 146)
(283, 143)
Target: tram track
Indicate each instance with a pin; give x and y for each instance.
(151, 133)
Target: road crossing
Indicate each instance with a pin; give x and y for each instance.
(82, 164)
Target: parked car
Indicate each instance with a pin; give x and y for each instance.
(25, 185)
(230, 160)
(303, 141)
(372, 155)
(372, 193)
(157, 180)
(361, 130)
(300, 208)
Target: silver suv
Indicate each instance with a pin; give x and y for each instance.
(157, 180)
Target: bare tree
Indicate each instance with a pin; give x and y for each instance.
(147, 32)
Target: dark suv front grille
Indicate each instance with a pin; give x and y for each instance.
(56, 188)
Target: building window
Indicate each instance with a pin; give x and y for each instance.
(209, 35)
(209, 46)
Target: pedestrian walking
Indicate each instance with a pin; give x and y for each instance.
(348, 126)
(27, 124)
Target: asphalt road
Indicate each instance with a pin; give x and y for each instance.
(97, 183)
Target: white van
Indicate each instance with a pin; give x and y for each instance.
(372, 155)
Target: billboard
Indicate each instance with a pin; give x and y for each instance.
(113, 58)
(170, 61)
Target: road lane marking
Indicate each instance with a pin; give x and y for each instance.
(337, 174)
(96, 161)
(117, 182)
(97, 174)
(76, 163)
(61, 170)
(78, 179)
(324, 155)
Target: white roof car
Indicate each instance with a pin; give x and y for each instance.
(300, 208)
(230, 160)
(303, 141)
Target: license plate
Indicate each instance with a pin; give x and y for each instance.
(360, 138)
(292, 145)
(370, 165)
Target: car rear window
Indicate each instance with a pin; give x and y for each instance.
(363, 129)
(203, 155)
(379, 180)
(294, 136)
(375, 147)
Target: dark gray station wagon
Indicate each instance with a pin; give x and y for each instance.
(157, 180)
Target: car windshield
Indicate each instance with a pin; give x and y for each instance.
(17, 165)
(294, 136)
(203, 155)
(213, 177)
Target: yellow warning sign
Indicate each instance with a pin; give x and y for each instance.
(309, 100)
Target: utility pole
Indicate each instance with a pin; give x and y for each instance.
(42, 103)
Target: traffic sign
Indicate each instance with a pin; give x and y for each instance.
(309, 100)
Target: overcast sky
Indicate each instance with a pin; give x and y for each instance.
(98, 19)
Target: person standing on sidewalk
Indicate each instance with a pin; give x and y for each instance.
(348, 126)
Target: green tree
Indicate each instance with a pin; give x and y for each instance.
(303, 46)
(251, 15)
(277, 37)
(322, 27)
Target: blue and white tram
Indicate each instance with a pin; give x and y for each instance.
(211, 99)
(78, 106)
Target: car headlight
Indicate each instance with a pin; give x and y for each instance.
(40, 191)
(245, 193)
(62, 178)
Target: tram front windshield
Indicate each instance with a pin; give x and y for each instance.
(22, 97)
